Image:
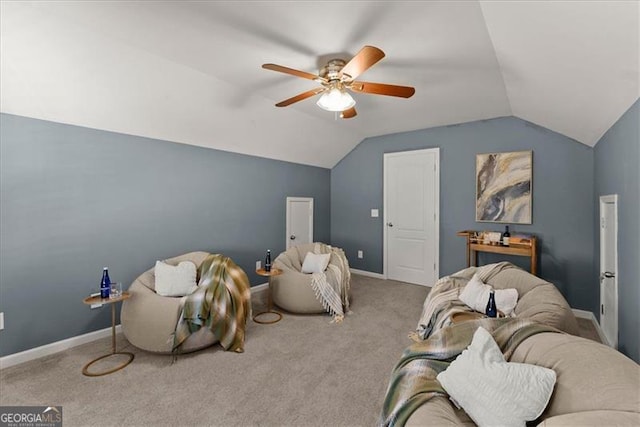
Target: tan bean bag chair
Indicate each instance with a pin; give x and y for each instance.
(292, 289)
(149, 320)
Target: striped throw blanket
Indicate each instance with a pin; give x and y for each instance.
(221, 303)
(442, 302)
(332, 286)
(413, 380)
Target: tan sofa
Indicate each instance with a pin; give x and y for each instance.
(596, 385)
(538, 299)
(149, 320)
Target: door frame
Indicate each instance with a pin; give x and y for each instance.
(288, 218)
(610, 198)
(385, 193)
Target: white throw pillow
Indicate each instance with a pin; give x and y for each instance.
(175, 281)
(476, 295)
(492, 391)
(315, 263)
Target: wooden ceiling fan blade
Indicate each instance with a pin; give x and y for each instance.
(300, 97)
(291, 71)
(367, 57)
(348, 114)
(383, 89)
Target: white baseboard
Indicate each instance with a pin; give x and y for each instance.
(368, 273)
(54, 347)
(259, 288)
(584, 314)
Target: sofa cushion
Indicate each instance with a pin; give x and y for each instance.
(591, 376)
(538, 299)
(594, 419)
(439, 411)
(493, 391)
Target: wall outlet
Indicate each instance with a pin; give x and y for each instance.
(1, 321)
(95, 294)
(375, 213)
(258, 265)
(360, 254)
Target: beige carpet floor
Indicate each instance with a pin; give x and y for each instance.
(301, 371)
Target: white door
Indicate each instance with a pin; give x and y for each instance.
(609, 268)
(411, 206)
(299, 221)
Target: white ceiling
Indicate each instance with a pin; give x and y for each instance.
(190, 72)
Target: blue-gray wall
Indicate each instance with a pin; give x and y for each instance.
(74, 200)
(563, 214)
(617, 159)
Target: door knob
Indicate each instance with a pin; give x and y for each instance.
(607, 275)
(389, 224)
(292, 237)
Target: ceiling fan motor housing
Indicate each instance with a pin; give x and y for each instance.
(331, 71)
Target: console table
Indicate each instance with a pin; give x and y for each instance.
(525, 249)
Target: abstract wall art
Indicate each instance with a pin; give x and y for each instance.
(504, 187)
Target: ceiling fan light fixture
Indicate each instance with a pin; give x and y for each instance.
(336, 100)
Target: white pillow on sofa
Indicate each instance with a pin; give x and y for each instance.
(315, 263)
(175, 280)
(492, 391)
(476, 295)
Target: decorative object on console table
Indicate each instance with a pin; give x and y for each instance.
(503, 187)
(520, 245)
(506, 236)
(268, 273)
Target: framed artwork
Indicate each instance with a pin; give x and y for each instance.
(504, 187)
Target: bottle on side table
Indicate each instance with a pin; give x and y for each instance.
(267, 261)
(105, 284)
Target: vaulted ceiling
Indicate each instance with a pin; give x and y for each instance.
(190, 72)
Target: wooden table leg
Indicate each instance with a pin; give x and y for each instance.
(113, 328)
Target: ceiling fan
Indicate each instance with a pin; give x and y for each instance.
(337, 76)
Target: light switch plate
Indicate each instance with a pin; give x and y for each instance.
(1, 321)
(374, 213)
(258, 265)
(360, 254)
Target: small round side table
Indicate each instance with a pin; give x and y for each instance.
(97, 300)
(270, 310)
